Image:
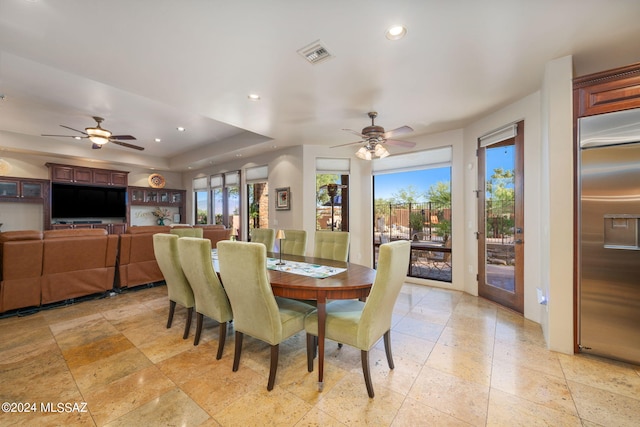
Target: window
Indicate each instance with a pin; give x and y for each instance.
(412, 201)
(332, 194)
(257, 198)
(201, 200)
(231, 201)
(217, 199)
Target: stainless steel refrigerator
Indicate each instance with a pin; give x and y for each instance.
(609, 235)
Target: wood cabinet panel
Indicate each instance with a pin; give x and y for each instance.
(18, 189)
(83, 175)
(608, 91)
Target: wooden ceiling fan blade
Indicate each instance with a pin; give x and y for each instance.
(400, 143)
(75, 130)
(398, 131)
(348, 143)
(64, 136)
(124, 144)
(125, 137)
(355, 132)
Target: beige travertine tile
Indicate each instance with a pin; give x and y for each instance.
(532, 385)
(316, 417)
(414, 413)
(118, 355)
(260, 407)
(616, 377)
(110, 402)
(349, 402)
(416, 327)
(604, 407)
(468, 341)
(169, 409)
(106, 370)
(508, 410)
(532, 356)
(469, 366)
(462, 399)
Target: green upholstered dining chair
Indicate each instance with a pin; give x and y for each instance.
(331, 245)
(362, 324)
(266, 236)
(165, 248)
(295, 242)
(210, 297)
(187, 232)
(256, 311)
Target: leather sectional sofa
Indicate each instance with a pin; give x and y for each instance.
(38, 268)
(45, 267)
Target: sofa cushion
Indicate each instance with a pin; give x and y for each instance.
(74, 232)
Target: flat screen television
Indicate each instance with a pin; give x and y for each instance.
(77, 201)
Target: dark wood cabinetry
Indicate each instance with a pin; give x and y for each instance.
(608, 91)
(90, 176)
(23, 190)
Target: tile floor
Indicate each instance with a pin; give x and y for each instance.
(460, 360)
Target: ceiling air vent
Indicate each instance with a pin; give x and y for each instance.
(315, 52)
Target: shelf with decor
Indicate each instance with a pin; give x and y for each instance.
(147, 202)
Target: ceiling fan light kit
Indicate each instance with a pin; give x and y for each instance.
(100, 136)
(375, 137)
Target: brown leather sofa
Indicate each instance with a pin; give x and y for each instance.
(215, 233)
(20, 269)
(136, 261)
(77, 262)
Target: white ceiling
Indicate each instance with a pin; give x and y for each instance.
(148, 66)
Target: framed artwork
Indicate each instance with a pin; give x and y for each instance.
(283, 199)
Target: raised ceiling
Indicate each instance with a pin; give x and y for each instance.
(148, 66)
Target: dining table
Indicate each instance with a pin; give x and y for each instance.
(345, 280)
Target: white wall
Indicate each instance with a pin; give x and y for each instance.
(556, 211)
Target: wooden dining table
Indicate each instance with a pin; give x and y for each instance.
(353, 283)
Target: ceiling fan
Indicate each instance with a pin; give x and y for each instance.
(100, 136)
(375, 136)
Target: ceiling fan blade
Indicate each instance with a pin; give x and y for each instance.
(96, 146)
(399, 143)
(64, 136)
(125, 137)
(355, 132)
(348, 143)
(75, 130)
(124, 144)
(398, 131)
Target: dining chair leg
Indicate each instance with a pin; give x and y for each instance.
(199, 319)
(172, 308)
(364, 355)
(387, 348)
(187, 327)
(221, 339)
(236, 354)
(274, 366)
(310, 352)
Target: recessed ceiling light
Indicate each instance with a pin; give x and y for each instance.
(238, 155)
(396, 32)
(157, 140)
(77, 137)
(181, 129)
(254, 97)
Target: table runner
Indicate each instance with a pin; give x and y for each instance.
(304, 268)
(294, 267)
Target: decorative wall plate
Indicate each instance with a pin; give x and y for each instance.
(156, 180)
